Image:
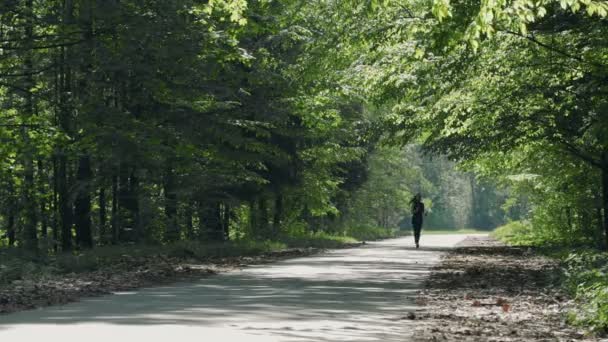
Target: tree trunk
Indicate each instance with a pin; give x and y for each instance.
(210, 221)
(128, 204)
(55, 204)
(605, 194)
(172, 228)
(84, 174)
(263, 219)
(253, 218)
(82, 206)
(188, 213)
(115, 214)
(64, 120)
(134, 206)
(10, 230)
(124, 203)
(277, 220)
(102, 216)
(30, 234)
(65, 205)
(226, 221)
(43, 209)
(599, 224)
(473, 221)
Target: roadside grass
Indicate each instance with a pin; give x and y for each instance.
(376, 233)
(454, 231)
(584, 276)
(16, 264)
(318, 240)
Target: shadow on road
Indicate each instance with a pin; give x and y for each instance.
(358, 293)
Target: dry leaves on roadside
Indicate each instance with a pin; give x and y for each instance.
(126, 274)
(473, 293)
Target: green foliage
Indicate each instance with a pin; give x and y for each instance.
(316, 240)
(454, 231)
(515, 92)
(198, 251)
(518, 233)
(206, 126)
(18, 269)
(587, 278)
(363, 233)
(585, 273)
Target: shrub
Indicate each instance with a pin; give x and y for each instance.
(517, 233)
(366, 233)
(587, 279)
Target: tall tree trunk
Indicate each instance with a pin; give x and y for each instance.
(55, 204)
(123, 202)
(605, 194)
(473, 217)
(65, 205)
(30, 234)
(64, 120)
(84, 174)
(102, 216)
(82, 206)
(128, 203)
(278, 213)
(10, 229)
(200, 211)
(263, 220)
(188, 213)
(210, 221)
(115, 213)
(172, 228)
(217, 228)
(253, 218)
(226, 221)
(599, 224)
(134, 188)
(42, 179)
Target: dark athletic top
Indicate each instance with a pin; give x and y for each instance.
(417, 212)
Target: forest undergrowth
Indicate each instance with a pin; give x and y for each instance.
(584, 270)
(28, 281)
(485, 290)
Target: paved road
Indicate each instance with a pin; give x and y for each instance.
(345, 295)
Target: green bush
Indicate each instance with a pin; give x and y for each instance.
(198, 250)
(587, 279)
(69, 263)
(517, 233)
(365, 233)
(18, 264)
(585, 272)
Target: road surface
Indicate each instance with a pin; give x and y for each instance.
(361, 294)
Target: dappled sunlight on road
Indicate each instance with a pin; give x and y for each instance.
(357, 294)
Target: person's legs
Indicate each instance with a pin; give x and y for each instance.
(417, 228)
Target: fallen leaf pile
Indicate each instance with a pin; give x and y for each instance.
(127, 273)
(485, 291)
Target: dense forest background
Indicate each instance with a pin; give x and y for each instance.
(128, 121)
(143, 126)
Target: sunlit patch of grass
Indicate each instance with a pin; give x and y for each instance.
(317, 240)
(15, 264)
(455, 231)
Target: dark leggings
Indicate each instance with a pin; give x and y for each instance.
(417, 229)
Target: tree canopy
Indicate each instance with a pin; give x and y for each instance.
(156, 121)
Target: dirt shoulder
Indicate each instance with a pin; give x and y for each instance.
(127, 273)
(486, 291)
